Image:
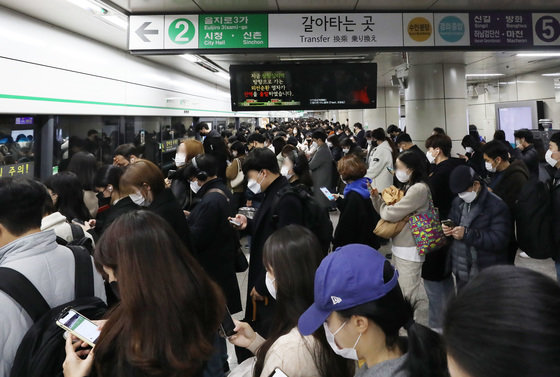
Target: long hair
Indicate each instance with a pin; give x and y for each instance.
(294, 253)
(426, 355)
(505, 322)
(84, 165)
(379, 134)
(411, 160)
(70, 202)
(170, 310)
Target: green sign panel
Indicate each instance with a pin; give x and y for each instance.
(233, 31)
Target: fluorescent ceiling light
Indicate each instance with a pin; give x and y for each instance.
(117, 21)
(484, 74)
(321, 57)
(222, 74)
(191, 58)
(557, 74)
(538, 54)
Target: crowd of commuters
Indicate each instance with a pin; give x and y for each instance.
(320, 301)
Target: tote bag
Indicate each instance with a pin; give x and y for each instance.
(239, 177)
(426, 230)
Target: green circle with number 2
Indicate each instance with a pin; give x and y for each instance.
(181, 31)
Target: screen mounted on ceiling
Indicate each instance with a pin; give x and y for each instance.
(315, 86)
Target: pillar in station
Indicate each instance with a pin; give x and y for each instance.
(436, 97)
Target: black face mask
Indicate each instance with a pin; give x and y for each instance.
(115, 288)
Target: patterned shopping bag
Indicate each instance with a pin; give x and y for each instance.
(426, 230)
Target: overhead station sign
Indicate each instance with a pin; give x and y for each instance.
(477, 30)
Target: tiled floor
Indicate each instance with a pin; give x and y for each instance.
(544, 266)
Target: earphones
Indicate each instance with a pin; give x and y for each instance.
(201, 175)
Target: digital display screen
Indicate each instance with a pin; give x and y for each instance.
(24, 120)
(515, 118)
(303, 86)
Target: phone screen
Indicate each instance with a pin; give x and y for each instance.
(448, 223)
(327, 193)
(80, 326)
(228, 325)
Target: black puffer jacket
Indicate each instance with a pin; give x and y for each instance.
(488, 232)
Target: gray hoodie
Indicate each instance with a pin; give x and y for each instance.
(50, 267)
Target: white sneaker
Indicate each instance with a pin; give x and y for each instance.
(524, 255)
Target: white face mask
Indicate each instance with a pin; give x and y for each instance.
(180, 159)
(401, 150)
(195, 187)
(430, 157)
(548, 157)
(270, 286)
(489, 167)
(285, 171)
(469, 150)
(294, 132)
(234, 153)
(468, 196)
(345, 150)
(254, 186)
(347, 353)
(314, 145)
(329, 144)
(138, 199)
(402, 176)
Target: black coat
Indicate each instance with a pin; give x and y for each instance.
(356, 222)
(436, 266)
(288, 210)
(508, 184)
(166, 206)
(489, 232)
(214, 239)
(121, 207)
(530, 157)
(555, 197)
(476, 161)
(361, 139)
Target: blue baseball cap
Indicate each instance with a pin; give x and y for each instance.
(350, 276)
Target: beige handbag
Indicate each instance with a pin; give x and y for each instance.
(387, 229)
(239, 177)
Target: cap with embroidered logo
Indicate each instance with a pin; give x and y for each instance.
(348, 277)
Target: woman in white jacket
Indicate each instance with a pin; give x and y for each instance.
(379, 160)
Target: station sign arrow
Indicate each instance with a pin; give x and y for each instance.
(142, 31)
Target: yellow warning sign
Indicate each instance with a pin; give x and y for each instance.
(419, 29)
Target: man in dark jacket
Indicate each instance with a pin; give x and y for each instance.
(404, 142)
(507, 182)
(526, 151)
(482, 226)
(263, 174)
(212, 235)
(360, 135)
(322, 168)
(436, 270)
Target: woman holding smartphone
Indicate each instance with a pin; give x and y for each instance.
(169, 312)
(291, 256)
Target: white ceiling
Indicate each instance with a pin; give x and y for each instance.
(66, 15)
(199, 6)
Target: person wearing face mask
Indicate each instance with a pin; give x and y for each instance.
(482, 226)
(553, 160)
(295, 168)
(473, 155)
(349, 147)
(146, 183)
(357, 216)
(291, 256)
(238, 153)
(410, 172)
(321, 166)
(334, 145)
(380, 161)
(176, 181)
(261, 169)
(404, 142)
(507, 181)
(360, 135)
(359, 304)
(436, 273)
(108, 182)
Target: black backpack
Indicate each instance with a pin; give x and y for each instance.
(315, 217)
(533, 216)
(41, 352)
(78, 239)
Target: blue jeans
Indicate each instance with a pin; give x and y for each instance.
(438, 293)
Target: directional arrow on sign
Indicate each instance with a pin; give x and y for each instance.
(142, 31)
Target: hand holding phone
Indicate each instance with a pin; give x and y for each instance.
(449, 223)
(244, 334)
(227, 327)
(328, 194)
(79, 326)
(239, 221)
(278, 373)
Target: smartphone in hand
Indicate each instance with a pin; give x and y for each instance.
(328, 194)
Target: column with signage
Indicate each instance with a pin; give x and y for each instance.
(436, 97)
